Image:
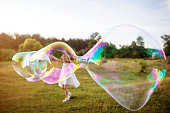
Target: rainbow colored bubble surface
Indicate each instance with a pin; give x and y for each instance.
(128, 63)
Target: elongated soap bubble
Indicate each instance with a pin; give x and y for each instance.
(41, 65)
(129, 64)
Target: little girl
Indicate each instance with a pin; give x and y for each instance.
(72, 80)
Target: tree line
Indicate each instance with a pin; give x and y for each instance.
(8, 41)
(10, 44)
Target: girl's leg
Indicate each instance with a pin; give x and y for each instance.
(66, 91)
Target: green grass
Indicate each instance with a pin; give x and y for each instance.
(20, 96)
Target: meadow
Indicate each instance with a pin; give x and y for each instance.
(20, 96)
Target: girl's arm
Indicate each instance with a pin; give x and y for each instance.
(61, 59)
(55, 58)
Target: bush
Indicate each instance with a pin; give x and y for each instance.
(143, 65)
(82, 52)
(6, 54)
(30, 45)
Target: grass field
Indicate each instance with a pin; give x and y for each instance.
(19, 96)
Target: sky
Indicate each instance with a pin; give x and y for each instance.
(81, 18)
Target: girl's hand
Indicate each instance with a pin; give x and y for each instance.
(55, 58)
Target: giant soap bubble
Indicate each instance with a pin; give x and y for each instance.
(128, 63)
(131, 65)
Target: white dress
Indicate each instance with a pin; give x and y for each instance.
(72, 80)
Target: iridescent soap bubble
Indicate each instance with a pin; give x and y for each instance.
(46, 64)
(129, 64)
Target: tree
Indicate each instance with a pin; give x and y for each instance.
(110, 51)
(94, 38)
(63, 40)
(19, 39)
(140, 41)
(6, 41)
(78, 44)
(6, 54)
(39, 38)
(30, 45)
(166, 39)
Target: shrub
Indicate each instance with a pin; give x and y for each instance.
(143, 65)
(82, 52)
(6, 54)
(30, 45)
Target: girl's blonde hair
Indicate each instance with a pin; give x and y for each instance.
(66, 58)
